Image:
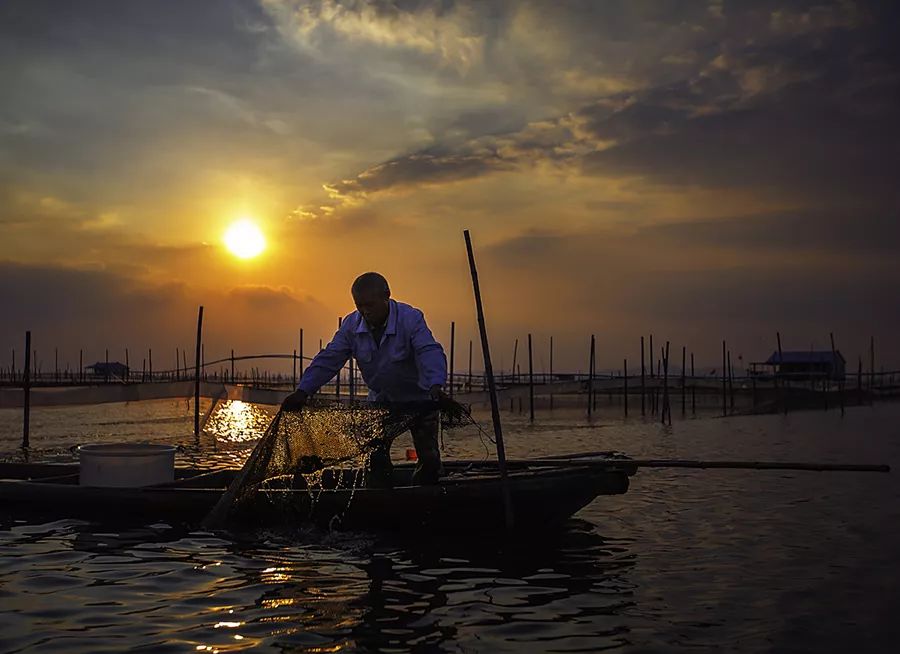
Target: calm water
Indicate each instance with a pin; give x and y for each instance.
(687, 560)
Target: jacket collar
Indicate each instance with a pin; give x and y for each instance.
(391, 327)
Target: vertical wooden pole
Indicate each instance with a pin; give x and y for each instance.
(590, 388)
(352, 375)
(551, 371)
(730, 383)
(781, 380)
(871, 368)
(530, 382)
(650, 356)
(859, 395)
(197, 354)
(515, 354)
(301, 353)
(143, 370)
(643, 381)
(26, 393)
(693, 388)
(840, 381)
(469, 378)
(452, 352)
(625, 385)
(724, 382)
(492, 388)
(683, 373)
(667, 407)
(337, 380)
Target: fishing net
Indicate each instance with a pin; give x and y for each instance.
(321, 446)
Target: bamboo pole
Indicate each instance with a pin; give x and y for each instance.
(530, 382)
(730, 383)
(492, 388)
(667, 407)
(469, 377)
(337, 380)
(515, 354)
(197, 354)
(590, 387)
(602, 459)
(841, 380)
(643, 381)
(780, 387)
(724, 382)
(452, 352)
(693, 388)
(26, 393)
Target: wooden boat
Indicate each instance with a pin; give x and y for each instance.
(469, 497)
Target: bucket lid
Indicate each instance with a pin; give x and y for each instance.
(125, 449)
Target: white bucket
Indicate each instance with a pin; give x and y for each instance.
(126, 465)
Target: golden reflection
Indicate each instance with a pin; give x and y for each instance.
(235, 421)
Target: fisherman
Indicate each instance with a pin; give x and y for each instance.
(400, 362)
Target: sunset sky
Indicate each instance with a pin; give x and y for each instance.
(698, 170)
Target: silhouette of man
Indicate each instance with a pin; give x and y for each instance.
(400, 362)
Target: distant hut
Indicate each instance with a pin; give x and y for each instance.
(808, 365)
(111, 370)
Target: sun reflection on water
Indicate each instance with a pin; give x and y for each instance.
(235, 421)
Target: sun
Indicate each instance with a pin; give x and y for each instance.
(244, 239)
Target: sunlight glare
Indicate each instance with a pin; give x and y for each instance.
(244, 239)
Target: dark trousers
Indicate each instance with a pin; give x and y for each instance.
(428, 467)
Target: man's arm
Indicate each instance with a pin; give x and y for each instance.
(325, 365)
(430, 358)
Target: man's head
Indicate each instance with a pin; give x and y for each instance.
(371, 294)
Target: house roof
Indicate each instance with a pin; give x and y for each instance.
(806, 356)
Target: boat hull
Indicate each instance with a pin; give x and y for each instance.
(465, 500)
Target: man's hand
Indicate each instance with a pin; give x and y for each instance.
(437, 393)
(295, 401)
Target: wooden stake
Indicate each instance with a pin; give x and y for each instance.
(724, 382)
(452, 352)
(530, 382)
(643, 383)
(780, 381)
(693, 388)
(469, 378)
(515, 353)
(337, 380)
(301, 353)
(590, 388)
(841, 380)
(26, 393)
(197, 373)
(492, 388)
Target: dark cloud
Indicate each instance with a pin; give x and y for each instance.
(93, 310)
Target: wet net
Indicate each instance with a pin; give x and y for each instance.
(322, 446)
